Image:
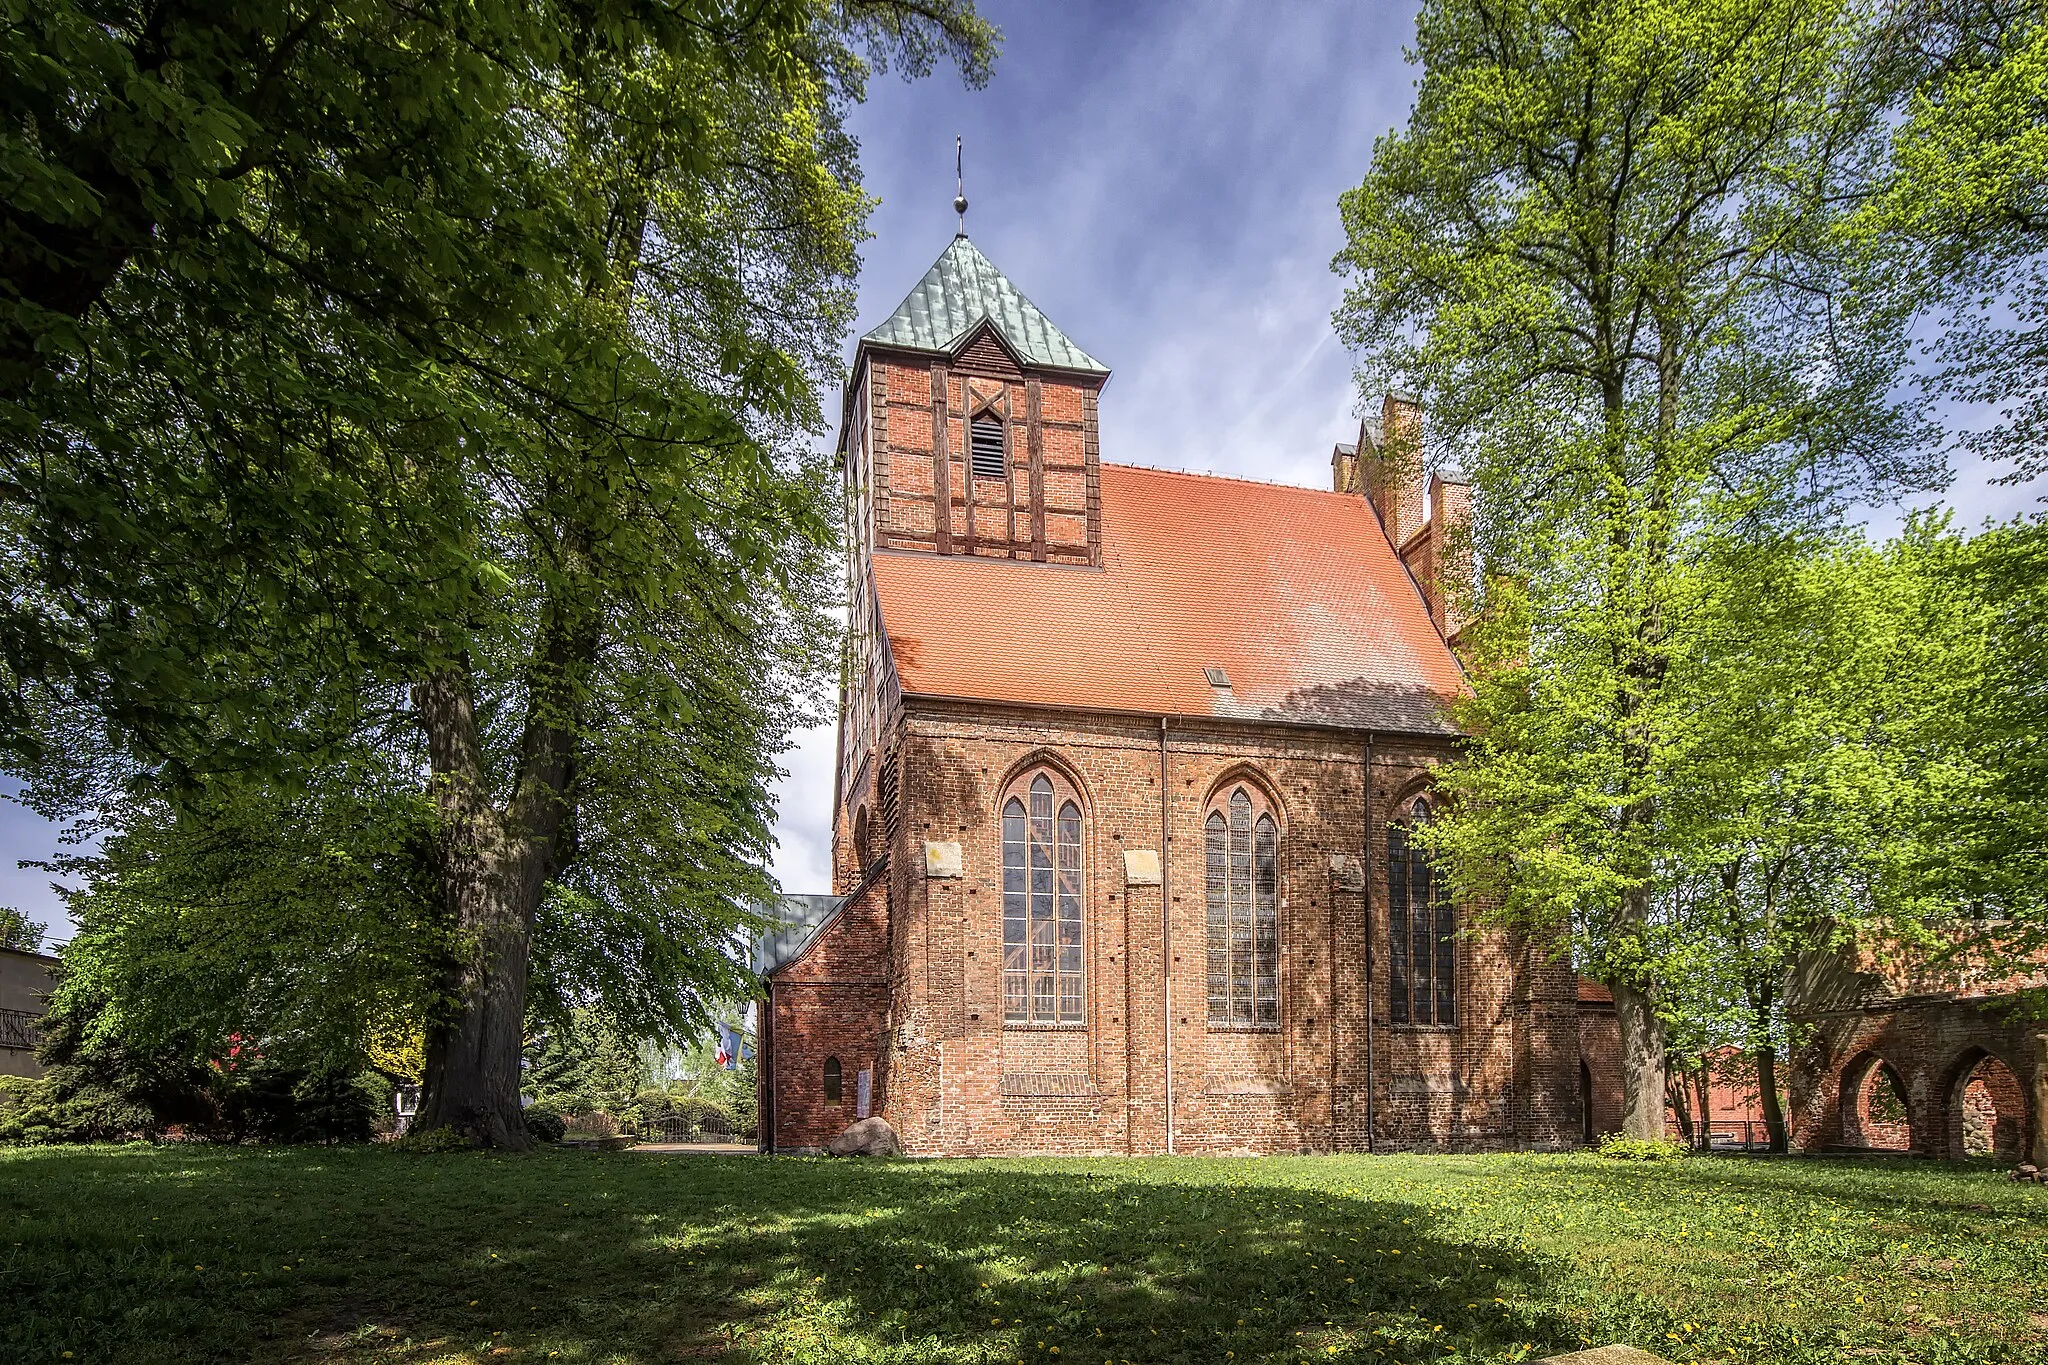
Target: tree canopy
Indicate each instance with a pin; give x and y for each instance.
(1606, 253)
(414, 527)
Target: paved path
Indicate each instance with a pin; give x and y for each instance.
(697, 1148)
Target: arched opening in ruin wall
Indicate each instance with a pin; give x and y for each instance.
(1984, 1109)
(1876, 1114)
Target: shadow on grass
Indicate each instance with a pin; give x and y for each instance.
(176, 1255)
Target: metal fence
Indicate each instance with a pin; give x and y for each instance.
(1737, 1135)
(695, 1128)
(19, 1030)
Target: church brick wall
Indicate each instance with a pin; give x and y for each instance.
(958, 1081)
(910, 972)
(1600, 1049)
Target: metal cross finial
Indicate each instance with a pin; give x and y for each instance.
(960, 190)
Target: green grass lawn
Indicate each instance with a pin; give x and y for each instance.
(374, 1255)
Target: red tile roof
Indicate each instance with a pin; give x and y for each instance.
(1592, 992)
(1294, 592)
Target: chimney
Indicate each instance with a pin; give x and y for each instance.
(1344, 468)
(1450, 552)
(1389, 467)
(1428, 517)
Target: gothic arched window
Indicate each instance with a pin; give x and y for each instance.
(1421, 929)
(832, 1080)
(1243, 847)
(1042, 905)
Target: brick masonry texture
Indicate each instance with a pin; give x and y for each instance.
(905, 981)
(1042, 511)
(955, 1080)
(1935, 1048)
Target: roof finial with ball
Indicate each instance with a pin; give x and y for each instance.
(960, 190)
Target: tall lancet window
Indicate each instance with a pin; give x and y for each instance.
(1422, 929)
(1243, 849)
(1042, 975)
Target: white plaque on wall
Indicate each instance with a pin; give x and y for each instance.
(941, 859)
(1141, 867)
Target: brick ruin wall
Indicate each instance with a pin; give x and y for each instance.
(1937, 1049)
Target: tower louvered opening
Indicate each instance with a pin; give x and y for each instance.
(985, 446)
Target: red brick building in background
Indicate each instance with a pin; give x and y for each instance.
(1128, 765)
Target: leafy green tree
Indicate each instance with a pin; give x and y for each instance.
(584, 1061)
(307, 922)
(1604, 254)
(99, 1086)
(19, 931)
(738, 1092)
(1968, 184)
(1812, 670)
(1983, 831)
(447, 395)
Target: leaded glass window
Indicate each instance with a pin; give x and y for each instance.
(1243, 852)
(1422, 929)
(1041, 907)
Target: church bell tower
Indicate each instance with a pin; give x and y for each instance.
(970, 424)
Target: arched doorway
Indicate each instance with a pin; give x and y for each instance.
(1986, 1111)
(1874, 1110)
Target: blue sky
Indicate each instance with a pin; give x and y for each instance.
(1162, 180)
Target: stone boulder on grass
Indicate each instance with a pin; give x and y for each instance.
(869, 1137)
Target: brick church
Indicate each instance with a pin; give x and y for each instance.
(1129, 764)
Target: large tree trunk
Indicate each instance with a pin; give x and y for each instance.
(2039, 1155)
(474, 1049)
(491, 890)
(1767, 1091)
(1642, 1063)
(494, 867)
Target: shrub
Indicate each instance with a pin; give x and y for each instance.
(331, 1106)
(268, 1102)
(17, 1094)
(380, 1090)
(97, 1087)
(432, 1140)
(1615, 1147)
(545, 1124)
